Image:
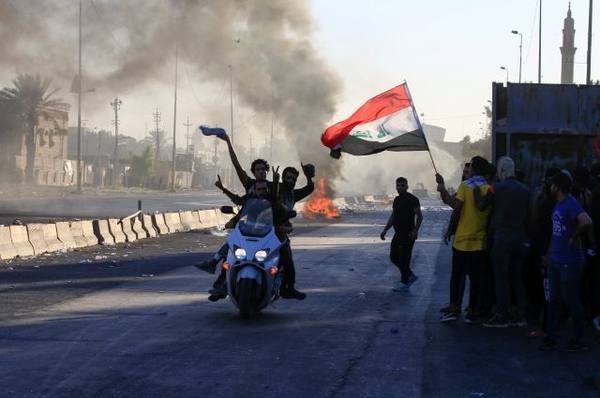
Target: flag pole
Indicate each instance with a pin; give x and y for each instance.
(412, 104)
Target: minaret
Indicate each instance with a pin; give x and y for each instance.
(568, 49)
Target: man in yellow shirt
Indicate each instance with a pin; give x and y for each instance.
(470, 240)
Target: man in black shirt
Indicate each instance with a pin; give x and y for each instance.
(406, 219)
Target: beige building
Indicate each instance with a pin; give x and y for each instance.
(51, 166)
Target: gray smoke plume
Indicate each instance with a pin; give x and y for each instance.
(130, 43)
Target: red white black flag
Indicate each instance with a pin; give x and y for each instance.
(387, 122)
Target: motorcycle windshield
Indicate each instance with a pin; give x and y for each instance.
(256, 218)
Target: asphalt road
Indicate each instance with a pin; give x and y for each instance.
(135, 321)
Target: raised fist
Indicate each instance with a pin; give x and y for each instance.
(308, 169)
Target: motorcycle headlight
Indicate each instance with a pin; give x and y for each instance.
(261, 255)
(240, 253)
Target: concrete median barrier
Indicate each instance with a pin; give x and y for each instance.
(173, 222)
(20, 240)
(116, 229)
(138, 228)
(149, 226)
(51, 238)
(188, 221)
(88, 233)
(208, 218)
(63, 231)
(35, 233)
(7, 250)
(158, 220)
(196, 219)
(102, 232)
(128, 230)
(77, 233)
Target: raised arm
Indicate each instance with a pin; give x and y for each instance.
(242, 175)
(444, 194)
(301, 193)
(236, 199)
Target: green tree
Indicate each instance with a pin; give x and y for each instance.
(31, 98)
(142, 168)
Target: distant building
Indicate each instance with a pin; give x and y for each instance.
(51, 166)
(568, 49)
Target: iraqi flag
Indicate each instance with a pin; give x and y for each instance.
(387, 122)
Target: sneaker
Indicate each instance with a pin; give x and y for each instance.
(412, 279)
(219, 290)
(446, 308)
(472, 317)
(292, 293)
(496, 321)
(214, 297)
(207, 266)
(549, 344)
(596, 323)
(517, 321)
(576, 346)
(449, 317)
(400, 287)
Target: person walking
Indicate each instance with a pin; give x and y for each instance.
(406, 218)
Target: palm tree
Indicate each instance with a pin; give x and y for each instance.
(32, 97)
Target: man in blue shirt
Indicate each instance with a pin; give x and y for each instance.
(565, 262)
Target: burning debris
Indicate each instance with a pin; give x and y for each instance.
(320, 203)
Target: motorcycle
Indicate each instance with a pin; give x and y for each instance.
(254, 276)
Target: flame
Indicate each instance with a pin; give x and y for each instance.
(319, 203)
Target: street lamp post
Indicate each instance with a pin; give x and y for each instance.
(506, 69)
(516, 32)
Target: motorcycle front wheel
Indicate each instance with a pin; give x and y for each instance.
(247, 289)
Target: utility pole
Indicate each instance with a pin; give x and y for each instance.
(272, 128)
(187, 135)
(231, 100)
(157, 132)
(79, 108)
(588, 77)
(230, 171)
(116, 105)
(174, 126)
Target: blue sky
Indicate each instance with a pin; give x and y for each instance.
(449, 52)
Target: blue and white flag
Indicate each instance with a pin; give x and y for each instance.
(218, 131)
